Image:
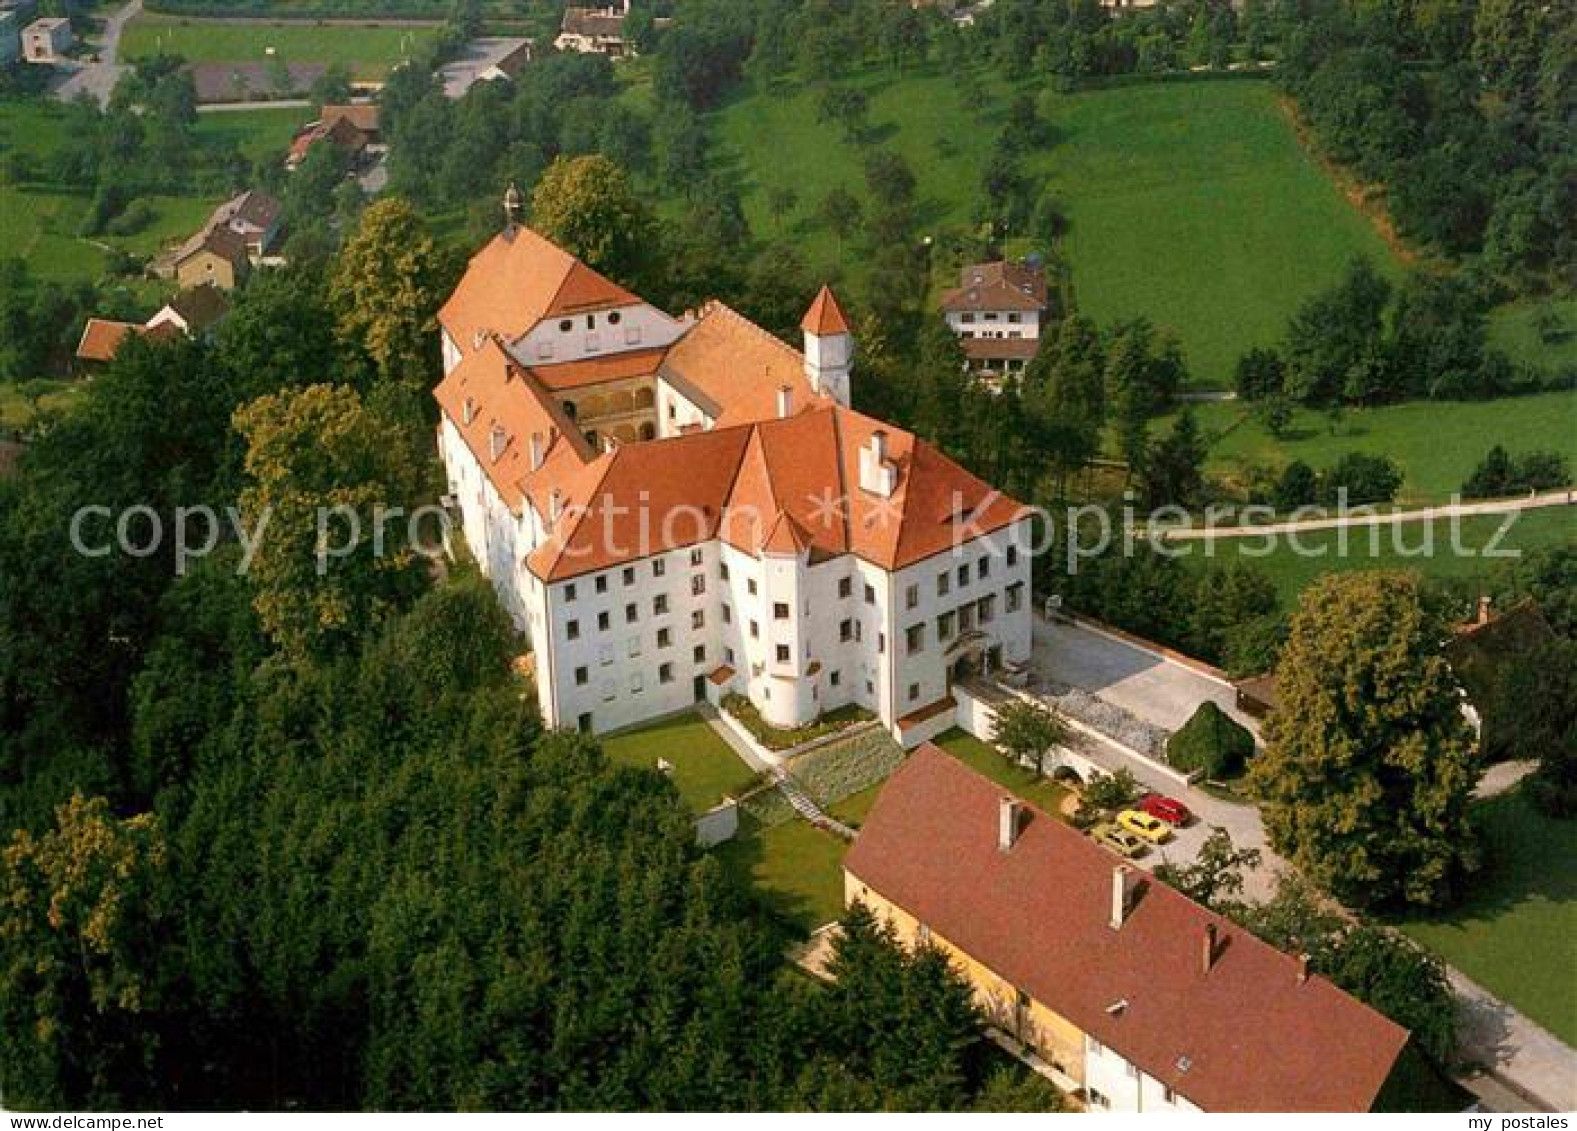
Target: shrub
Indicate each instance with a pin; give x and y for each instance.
(1366, 478)
(840, 769)
(776, 738)
(137, 216)
(1212, 743)
(1501, 474)
(1297, 487)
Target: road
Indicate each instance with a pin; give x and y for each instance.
(1529, 1067)
(256, 104)
(1564, 498)
(98, 79)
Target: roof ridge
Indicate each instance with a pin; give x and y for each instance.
(717, 305)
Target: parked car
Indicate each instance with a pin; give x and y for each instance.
(1152, 829)
(1168, 809)
(1120, 841)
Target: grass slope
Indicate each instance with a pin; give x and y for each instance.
(984, 760)
(1514, 935)
(1437, 443)
(1511, 329)
(1191, 203)
(369, 52)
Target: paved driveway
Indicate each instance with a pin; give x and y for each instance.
(1147, 686)
(99, 79)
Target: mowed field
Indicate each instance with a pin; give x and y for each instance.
(1436, 443)
(1191, 203)
(39, 221)
(368, 51)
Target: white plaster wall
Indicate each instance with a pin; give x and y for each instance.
(996, 324)
(1124, 1086)
(675, 411)
(493, 532)
(589, 334)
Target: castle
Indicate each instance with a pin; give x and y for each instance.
(678, 509)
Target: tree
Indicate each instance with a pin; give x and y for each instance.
(1369, 766)
(1540, 692)
(321, 472)
(841, 211)
(1227, 596)
(586, 206)
(1211, 742)
(1360, 479)
(781, 200)
(80, 958)
(1214, 879)
(385, 291)
(1024, 731)
(1173, 469)
(1335, 347)
(1110, 792)
(332, 88)
(1065, 395)
(1260, 373)
(1297, 486)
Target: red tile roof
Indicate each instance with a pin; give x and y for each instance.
(102, 338)
(598, 370)
(1247, 1035)
(997, 286)
(516, 281)
(733, 369)
(999, 349)
(825, 316)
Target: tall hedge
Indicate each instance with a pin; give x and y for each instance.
(1212, 742)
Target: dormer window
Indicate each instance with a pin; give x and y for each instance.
(498, 440)
(468, 410)
(566, 325)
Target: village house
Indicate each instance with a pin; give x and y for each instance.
(676, 509)
(997, 311)
(242, 233)
(595, 31)
(1139, 999)
(102, 339)
(352, 128)
(47, 40)
(192, 311)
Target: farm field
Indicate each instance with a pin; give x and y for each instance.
(1396, 546)
(1190, 203)
(704, 767)
(1514, 934)
(367, 51)
(1436, 443)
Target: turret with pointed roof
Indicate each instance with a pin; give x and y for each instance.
(829, 347)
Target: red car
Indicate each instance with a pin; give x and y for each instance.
(1167, 809)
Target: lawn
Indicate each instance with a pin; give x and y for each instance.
(1515, 934)
(1393, 546)
(853, 808)
(1021, 782)
(705, 768)
(256, 133)
(1513, 329)
(369, 52)
(1192, 203)
(1436, 443)
(796, 868)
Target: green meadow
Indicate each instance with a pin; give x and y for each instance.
(1191, 203)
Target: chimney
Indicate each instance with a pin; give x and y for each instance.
(1009, 811)
(537, 450)
(1303, 968)
(1208, 951)
(1483, 609)
(785, 402)
(1122, 894)
(878, 476)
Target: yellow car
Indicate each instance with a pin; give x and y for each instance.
(1152, 829)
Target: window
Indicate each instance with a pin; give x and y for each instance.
(1012, 556)
(660, 605)
(983, 568)
(944, 628)
(1167, 1095)
(630, 613)
(1013, 316)
(755, 631)
(728, 614)
(944, 583)
(665, 673)
(629, 575)
(1015, 596)
(572, 630)
(988, 608)
(963, 575)
(914, 692)
(845, 586)
(750, 586)
(569, 593)
(728, 656)
(922, 932)
(614, 317)
(911, 597)
(780, 610)
(602, 583)
(914, 639)
(698, 654)
(722, 570)
(581, 676)
(605, 654)
(966, 618)
(659, 567)
(584, 722)
(1098, 1099)
(846, 630)
(698, 619)
(633, 645)
(870, 595)
(881, 643)
(782, 653)
(602, 621)
(695, 556)
(637, 683)
(665, 637)
(608, 690)
(566, 325)
(968, 317)
(835, 678)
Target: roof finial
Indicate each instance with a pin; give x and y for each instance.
(512, 207)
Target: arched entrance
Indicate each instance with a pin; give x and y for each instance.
(972, 655)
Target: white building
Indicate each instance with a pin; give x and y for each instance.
(997, 312)
(47, 40)
(596, 31)
(674, 509)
